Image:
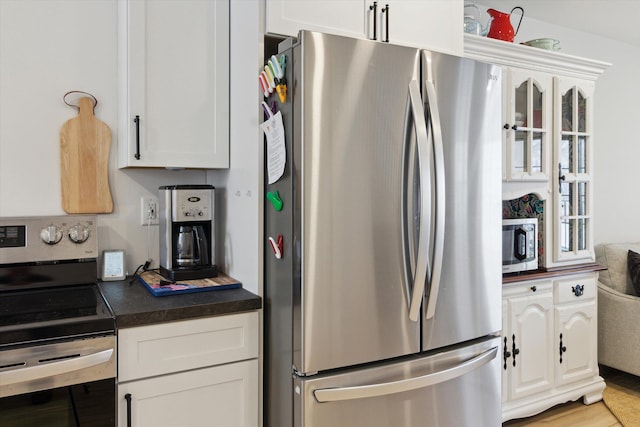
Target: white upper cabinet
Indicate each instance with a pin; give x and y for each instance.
(430, 24)
(351, 18)
(528, 124)
(174, 83)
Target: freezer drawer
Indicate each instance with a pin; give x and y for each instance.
(459, 387)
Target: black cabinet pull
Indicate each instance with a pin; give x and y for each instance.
(534, 288)
(505, 353)
(374, 7)
(562, 348)
(385, 10)
(578, 290)
(514, 127)
(561, 178)
(514, 350)
(136, 120)
(128, 399)
(506, 126)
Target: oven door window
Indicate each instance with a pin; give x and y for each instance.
(82, 405)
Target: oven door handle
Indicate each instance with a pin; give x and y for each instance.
(23, 375)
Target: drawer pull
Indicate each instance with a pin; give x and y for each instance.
(534, 288)
(578, 290)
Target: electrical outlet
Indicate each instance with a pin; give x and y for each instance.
(148, 211)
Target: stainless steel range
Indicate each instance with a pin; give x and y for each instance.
(57, 333)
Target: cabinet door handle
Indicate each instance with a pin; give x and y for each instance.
(561, 178)
(136, 120)
(385, 10)
(374, 7)
(514, 349)
(128, 399)
(514, 127)
(534, 288)
(562, 348)
(505, 353)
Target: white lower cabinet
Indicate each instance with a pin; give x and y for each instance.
(201, 372)
(549, 344)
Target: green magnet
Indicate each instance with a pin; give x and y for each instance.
(275, 200)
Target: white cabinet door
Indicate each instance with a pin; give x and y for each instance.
(530, 342)
(576, 328)
(572, 185)
(353, 18)
(576, 338)
(427, 24)
(528, 125)
(174, 79)
(224, 395)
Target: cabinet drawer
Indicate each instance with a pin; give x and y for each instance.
(575, 289)
(179, 346)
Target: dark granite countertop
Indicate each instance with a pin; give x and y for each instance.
(134, 305)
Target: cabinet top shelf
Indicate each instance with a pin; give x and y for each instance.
(518, 55)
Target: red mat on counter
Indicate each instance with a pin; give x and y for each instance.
(152, 281)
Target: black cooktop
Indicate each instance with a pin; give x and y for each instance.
(37, 315)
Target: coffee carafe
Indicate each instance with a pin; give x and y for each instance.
(186, 232)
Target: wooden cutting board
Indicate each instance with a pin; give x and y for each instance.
(84, 156)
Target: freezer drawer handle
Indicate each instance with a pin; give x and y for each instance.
(383, 389)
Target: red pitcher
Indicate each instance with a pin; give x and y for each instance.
(501, 27)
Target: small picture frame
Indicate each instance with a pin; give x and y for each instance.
(113, 265)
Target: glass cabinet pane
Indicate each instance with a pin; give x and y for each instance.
(536, 152)
(566, 154)
(582, 154)
(566, 199)
(566, 235)
(520, 151)
(582, 198)
(521, 105)
(537, 107)
(582, 111)
(567, 111)
(582, 234)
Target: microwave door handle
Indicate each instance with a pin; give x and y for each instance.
(419, 262)
(520, 244)
(383, 389)
(440, 207)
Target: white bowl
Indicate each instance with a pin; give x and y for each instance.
(548, 44)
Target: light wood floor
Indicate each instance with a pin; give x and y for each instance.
(573, 413)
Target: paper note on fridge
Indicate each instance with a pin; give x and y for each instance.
(276, 154)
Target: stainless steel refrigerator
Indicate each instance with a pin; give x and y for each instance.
(384, 307)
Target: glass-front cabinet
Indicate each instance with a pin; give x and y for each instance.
(528, 125)
(572, 187)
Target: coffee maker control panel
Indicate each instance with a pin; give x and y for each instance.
(192, 205)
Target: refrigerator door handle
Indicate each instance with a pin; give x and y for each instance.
(438, 153)
(419, 262)
(393, 387)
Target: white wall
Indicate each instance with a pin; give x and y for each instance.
(48, 48)
(617, 146)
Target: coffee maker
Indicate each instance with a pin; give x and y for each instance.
(186, 232)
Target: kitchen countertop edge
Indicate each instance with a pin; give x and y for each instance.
(133, 305)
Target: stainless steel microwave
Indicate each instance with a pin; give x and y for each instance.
(519, 245)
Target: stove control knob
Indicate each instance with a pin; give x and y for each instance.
(79, 233)
(51, 235)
